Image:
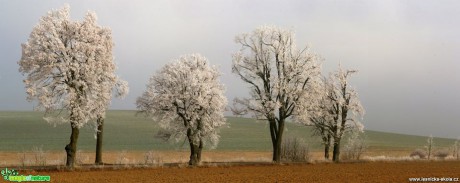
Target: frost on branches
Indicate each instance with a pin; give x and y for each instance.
(279, 75)
(334, 110)
(69, 69)
(187, 100)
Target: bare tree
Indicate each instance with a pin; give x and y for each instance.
(69, 71)
(429, 146)
(278, 75)
(456, 149)
(187, 100)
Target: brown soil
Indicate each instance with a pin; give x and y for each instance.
(321, 172)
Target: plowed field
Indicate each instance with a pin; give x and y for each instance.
(321, 172)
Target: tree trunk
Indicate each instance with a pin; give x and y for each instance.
(195, 149)
(279, 141)
(326, 151)
(276, 154)
(336, 151)
(327, 145)
(195, 152)
(276, 131)
(71, 148)
(99, 134)
(198, 153)
(272, 128)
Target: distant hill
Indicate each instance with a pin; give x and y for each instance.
(126, 131)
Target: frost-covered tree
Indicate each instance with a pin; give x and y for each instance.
(278, 73)
(69, 71)
(334, 109)
(346, 108)
(187, 100)
(318, 115)
(238, 111)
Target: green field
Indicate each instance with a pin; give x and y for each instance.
(20, 131)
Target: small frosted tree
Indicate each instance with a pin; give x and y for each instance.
(278, 73)
(69, 70)
(346, 108)
(334, 109)
(187, 100)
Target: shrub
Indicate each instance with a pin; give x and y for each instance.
(418, 153)
(39, 155)
(121, 159)
(441, 154)
(151, 158)
(355, 147)
(22, 158)
(295, 150)
(81, 158)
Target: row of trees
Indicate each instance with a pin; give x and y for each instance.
(70, 71)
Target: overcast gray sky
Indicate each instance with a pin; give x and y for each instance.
(407, 52)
